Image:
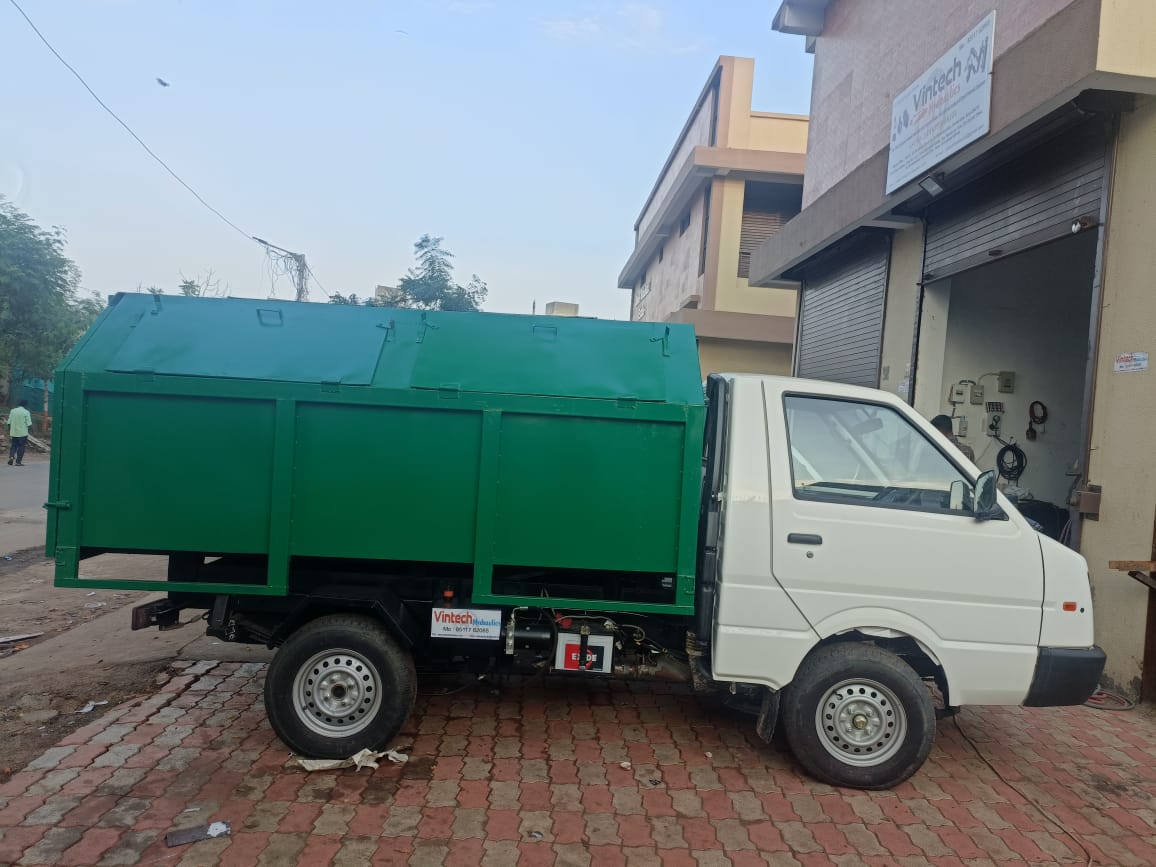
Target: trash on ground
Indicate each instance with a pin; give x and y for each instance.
(710, 755)
(626, 766)
(6, 557)
(89, 707)
(191, 810)
(536, 835)
(360, 759)
(202, 832)
(90, 593)
(94, 604)
(10, 639)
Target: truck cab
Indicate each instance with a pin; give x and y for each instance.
(852, 536)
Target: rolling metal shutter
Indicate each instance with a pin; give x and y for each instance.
(841, 314)
(1028, 202)
(757, 226)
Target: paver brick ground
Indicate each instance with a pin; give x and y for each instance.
(572, 773)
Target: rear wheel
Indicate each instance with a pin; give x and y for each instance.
(339, 684)
(859, 716)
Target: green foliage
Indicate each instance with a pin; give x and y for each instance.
(430, 285)
(427, 286)
(41, 311)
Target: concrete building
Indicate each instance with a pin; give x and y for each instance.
(733, 177)
(561, 308)
(977, 235)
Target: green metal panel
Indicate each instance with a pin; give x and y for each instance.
(479, 439)
(240, 339)
(162, 473)
(385, 482)
(531, 355)
(562, 500)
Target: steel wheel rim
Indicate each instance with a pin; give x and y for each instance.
(861, 722)
(337, 693)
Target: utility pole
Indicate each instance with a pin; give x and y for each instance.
(293, 263)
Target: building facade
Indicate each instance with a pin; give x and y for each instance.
(732, 179)
(976, 236)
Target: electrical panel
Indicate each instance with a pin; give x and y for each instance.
(1007, 381)
(993, 418)
(962, 425)
(977, 395)
(956, 395)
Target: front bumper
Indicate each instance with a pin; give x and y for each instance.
(1065, 676)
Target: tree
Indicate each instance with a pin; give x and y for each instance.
(204, 286)
(41, 311)
(428, 286)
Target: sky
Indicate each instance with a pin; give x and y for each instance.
(527, 134)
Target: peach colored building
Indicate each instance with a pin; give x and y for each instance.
(732, 179)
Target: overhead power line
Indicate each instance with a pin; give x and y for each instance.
(315, 280)
(301, 271)
(287, 262)
(127, 128)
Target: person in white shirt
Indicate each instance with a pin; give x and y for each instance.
(19, 423)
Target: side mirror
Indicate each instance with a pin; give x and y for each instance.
(985, 495)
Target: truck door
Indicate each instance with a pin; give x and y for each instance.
(873, 530)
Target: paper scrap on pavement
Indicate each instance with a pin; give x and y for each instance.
(360, 759)
(202, 832)
(91, 706)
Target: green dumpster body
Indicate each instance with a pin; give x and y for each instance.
(295, 430)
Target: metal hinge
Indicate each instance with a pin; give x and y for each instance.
(664, 340)
(58, 504)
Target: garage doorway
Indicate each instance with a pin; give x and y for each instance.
(1027, 315)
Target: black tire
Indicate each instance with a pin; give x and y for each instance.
(368, 680)
(869, 696)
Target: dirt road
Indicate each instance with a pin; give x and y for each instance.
(23, 491)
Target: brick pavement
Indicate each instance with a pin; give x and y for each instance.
(533, 775)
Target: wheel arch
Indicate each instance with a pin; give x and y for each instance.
(908, 638)
(378, 603)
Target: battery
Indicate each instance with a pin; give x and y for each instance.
(598, 655)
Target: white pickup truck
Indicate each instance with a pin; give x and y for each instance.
(858, 553)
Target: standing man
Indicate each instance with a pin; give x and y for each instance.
(942, 423)
(19, 423)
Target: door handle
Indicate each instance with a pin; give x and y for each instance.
(804, 539)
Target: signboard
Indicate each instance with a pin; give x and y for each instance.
(465, 623)
(945, 109)
(1127, 362)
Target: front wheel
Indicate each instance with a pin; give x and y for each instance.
(858, 716)
(338, 685)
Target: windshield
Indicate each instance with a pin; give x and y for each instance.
(846, 450)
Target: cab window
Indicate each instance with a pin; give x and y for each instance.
(866, 454)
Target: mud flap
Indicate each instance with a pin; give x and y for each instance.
(768, 715)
